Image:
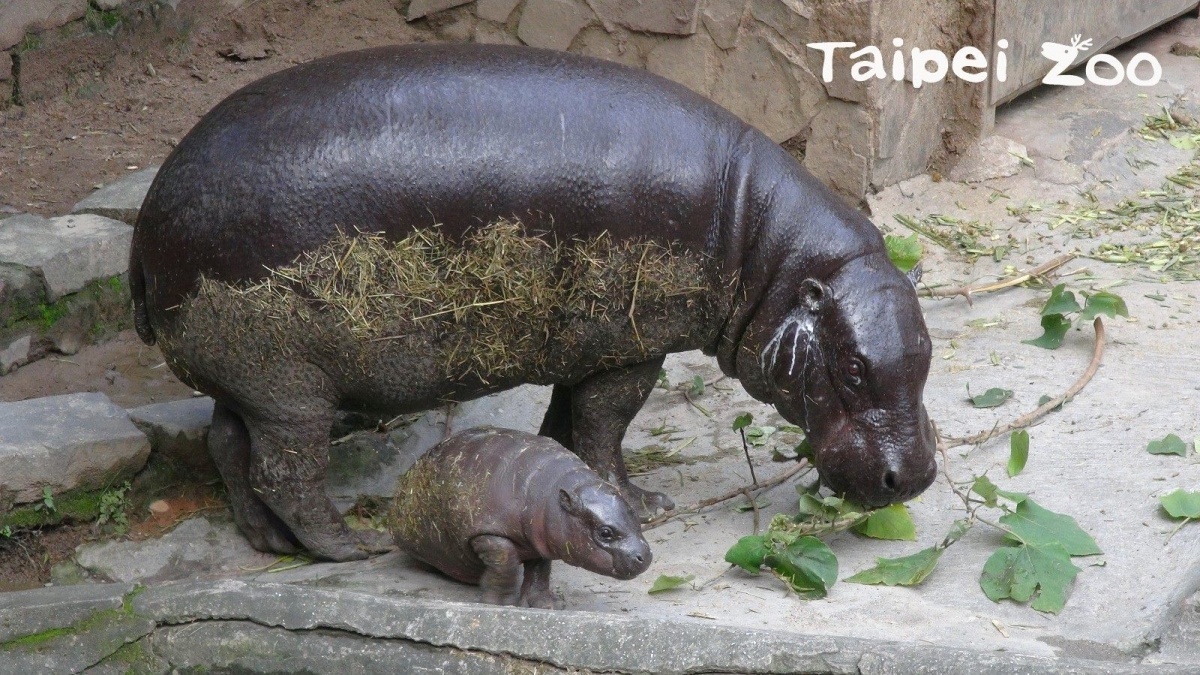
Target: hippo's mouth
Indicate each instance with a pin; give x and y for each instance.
(875, 470)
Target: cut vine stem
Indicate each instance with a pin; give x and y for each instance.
(801, 465)
(1028, 419)
(967, 291)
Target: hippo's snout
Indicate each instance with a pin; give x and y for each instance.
(879, 464)
(631, 563)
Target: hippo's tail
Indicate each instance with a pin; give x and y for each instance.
(137, 289)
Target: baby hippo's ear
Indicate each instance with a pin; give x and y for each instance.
(571, 503)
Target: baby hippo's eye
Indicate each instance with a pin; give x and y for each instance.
(854, 372)
(606, 533)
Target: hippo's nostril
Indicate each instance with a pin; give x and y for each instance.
(639, 557)
(889, 480)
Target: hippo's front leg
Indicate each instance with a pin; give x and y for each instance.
(602, 406)
(500, 583)
(535, 588)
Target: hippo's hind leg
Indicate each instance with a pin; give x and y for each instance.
(557, 422)
(500, 583)
(535, 589)
(289, 435)
(602, 406)
(229, 446)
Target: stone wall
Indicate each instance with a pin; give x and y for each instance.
(751, 56)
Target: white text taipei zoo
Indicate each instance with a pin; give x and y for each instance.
(971, 65)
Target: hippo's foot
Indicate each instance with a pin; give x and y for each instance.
(541, 599)
(500, 582)
(645, 504)
(263, 529)
(535, 588)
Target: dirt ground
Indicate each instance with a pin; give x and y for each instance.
(136, 104)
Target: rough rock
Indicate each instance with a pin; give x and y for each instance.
(5, 67)
(670, 17)
(688, 61)
(78, 648)
(759, 85)
(110, 4)
(722, 18)
(69, 251)
(488, 33)
(15, 354)
(21, 291)
(195, 548)
(992, 157)
(1059, 172)
(178, 430)
(65, 443)
(552, 24)
(495, 10)
(25, 16)
(595, 41)
(420, 8)
(839, 150)
(121, 199)
(28, 612)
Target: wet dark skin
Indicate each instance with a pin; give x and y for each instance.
(508, 503)
(801, 303)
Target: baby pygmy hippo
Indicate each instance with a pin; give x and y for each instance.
(487, 501)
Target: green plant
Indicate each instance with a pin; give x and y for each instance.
(47, 503)
(112, 508)
(1062, 303)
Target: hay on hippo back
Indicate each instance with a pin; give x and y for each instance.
(261, 265)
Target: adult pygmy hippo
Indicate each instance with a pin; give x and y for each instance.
(485, 502)
(392, 229)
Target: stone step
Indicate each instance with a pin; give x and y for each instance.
(74, 442)
(121, 199)
(178, 431)
(68, 251)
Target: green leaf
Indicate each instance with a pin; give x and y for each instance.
(957, 530)
(984, 487)
(1054, 327)
(1020, 572)
(697, 388)
(1036, 526)
(805, 451)
(904, 252)
(1061, 301)
(748, 553)
(1103, 302)
(666, 582)
(807, 565)
(1181, 504)
(909, 570)
(1169, 445)
(991, 398)
(742, 421)
(1018, 452)
(891, 522)
(1185, 142)
(759, 435)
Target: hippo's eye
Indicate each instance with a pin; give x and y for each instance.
(606, 533)
(854, 372)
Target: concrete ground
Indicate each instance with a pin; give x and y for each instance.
(1134, 606)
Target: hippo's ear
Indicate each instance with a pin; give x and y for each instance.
(814, 295)
(571, 504)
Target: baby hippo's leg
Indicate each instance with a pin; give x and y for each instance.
(500, 583)
(535, 590)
